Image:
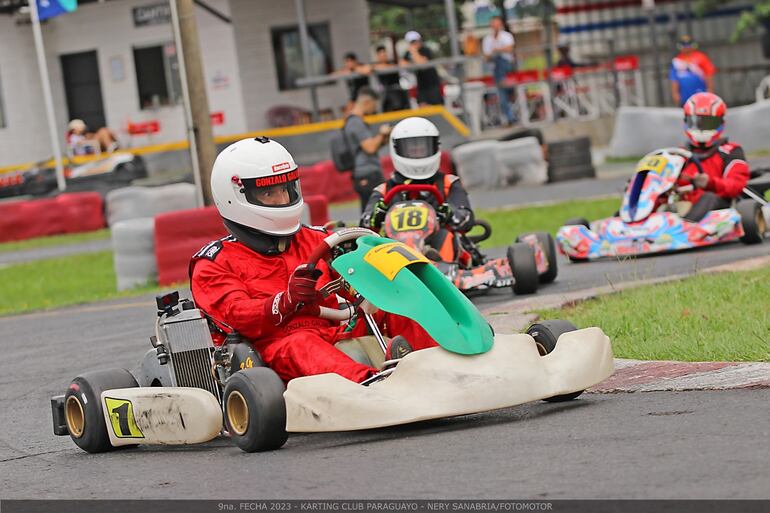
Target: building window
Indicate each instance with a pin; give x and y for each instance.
(157, 76)
(287, 51)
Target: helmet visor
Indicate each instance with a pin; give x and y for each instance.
(703, 122)
(273, 191)
(416, 147)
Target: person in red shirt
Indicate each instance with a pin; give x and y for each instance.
(718, 170)
(255, 280)
(691, 72)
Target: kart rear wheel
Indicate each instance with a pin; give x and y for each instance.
(753, 221)
(255, 412)
(578, 221)
(549, 248)
(521, 258)
(546, 334)
(83, 408)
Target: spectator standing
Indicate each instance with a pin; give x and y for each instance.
(365, 143)
(498, 51)
(428, 83)
(354, 67)
(394, 97)
(691, 72)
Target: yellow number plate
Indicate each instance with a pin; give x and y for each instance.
(122, 418)
(408, 218)
(655, 164)
(390, 258)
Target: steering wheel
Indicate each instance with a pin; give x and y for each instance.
(415, 189)
(323, 250)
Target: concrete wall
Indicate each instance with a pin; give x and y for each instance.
(349, 30)
(238, 64)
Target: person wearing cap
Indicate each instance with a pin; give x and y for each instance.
(498, 51)
(691, 72)
(428, 83)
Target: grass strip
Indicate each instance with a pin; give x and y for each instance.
(59, 282)
(55, 240)
(708, 317)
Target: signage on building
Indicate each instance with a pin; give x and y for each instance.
(217, 118)
(154, 14)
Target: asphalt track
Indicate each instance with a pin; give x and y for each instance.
(662, 445)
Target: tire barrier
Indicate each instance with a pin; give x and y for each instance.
(488, 164)
(133, 246)
(570, 160)
(316, 210)
(521, 161)
(137, 202)
(179, 235)
(477, 164)
(324, 179)
(640, 130)
(66, 213)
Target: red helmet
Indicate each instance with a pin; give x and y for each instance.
(704, 118)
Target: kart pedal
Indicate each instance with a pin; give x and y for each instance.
(379, 376)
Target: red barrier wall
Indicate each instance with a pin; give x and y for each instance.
(66, 213)
(324, 179)
(179, 235)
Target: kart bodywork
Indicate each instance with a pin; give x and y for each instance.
(185, 384)
(414, 222)
(650, 219)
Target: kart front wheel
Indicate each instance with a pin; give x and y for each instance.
(548, 246)
(546, 335)
(255, 412)
(83, 407)
(521, 258)
(752, 220)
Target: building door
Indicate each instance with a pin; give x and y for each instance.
(83, 88)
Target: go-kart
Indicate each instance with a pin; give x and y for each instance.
(410, 219)
(116, 169)
(651, 217)
(185, 386)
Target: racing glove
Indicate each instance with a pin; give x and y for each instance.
(701, 181)
(301, 293)
(444, 213)
(377, 216)
(461, 220)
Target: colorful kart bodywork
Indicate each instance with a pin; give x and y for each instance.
(648, 220)
(414, 221)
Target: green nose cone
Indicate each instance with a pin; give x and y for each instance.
(418, 291)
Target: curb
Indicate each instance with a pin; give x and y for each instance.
(670, 376)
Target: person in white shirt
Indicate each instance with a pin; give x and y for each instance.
(498, 51)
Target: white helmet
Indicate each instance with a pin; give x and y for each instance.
(414, 148)
(248, 170)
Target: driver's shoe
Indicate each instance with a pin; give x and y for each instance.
(398, 348)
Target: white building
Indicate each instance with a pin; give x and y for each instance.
(113, 63)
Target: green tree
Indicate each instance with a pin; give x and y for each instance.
(749, 19)
(395, 21)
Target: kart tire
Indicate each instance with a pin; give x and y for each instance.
(83, 409)
(546, 335)
(255, 412)
(549, 247)
(753, 221)
(521, 258)
(578, 221)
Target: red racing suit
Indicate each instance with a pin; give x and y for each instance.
(727, 170)
(237, 286)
